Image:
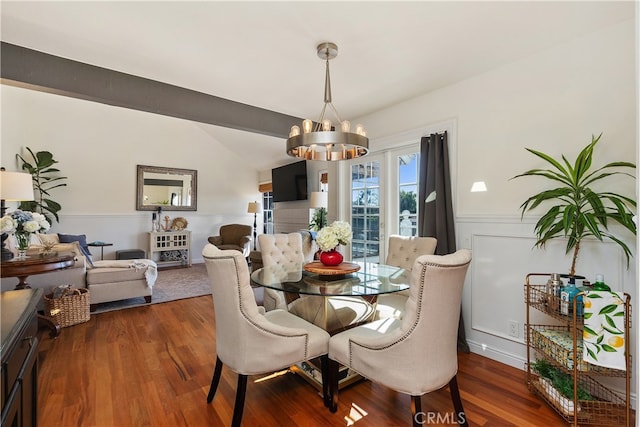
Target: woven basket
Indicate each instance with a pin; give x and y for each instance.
(70, 309)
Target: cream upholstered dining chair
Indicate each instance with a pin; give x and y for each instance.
(281, 255)
(247, 341)
(402, 252)
(418, 353)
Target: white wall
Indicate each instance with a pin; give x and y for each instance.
(553, 102)
(99, 146)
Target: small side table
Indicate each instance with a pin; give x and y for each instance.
(100, 245)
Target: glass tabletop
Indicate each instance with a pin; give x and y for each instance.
(371, 279)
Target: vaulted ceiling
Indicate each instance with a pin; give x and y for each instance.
(263, 53)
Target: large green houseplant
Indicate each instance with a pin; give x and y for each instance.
(45, 178)
(577, 210)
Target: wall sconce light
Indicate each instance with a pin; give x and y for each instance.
(478, 187)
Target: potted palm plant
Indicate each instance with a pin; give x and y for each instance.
(576, 209)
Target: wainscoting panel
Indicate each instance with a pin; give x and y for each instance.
(503, 253)
(498, 276)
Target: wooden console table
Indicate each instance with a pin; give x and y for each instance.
(37, 264)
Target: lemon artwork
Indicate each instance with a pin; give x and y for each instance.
(616, 341)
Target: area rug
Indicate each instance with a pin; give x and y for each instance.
(171, 285)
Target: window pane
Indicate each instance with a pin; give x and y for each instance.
(267, 213)
(365, 211)
(358, 197)
(408, 174)
(357, 176)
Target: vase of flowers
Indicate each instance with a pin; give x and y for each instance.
(22, 225)
(328, 239)
(332, 257)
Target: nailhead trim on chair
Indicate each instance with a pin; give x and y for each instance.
(242, 309)
(423, 272)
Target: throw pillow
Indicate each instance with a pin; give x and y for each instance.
(48, 239)
(73, 247)
(82, 240)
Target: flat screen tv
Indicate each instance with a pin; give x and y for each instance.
(290, 182)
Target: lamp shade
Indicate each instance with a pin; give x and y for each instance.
(16, 186)
(319, 199)
(254, 207)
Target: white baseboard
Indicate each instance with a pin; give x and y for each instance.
(497, 355)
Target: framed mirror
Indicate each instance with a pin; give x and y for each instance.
(169, 188)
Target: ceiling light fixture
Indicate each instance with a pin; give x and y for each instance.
(325, 141)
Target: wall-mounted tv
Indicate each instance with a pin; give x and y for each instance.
(290, 182)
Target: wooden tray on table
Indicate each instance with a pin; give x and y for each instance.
(335, 271)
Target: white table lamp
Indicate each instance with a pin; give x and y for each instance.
(14, 187)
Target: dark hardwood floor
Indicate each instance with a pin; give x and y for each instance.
(151, 366)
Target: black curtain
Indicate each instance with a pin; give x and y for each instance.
(435, 216)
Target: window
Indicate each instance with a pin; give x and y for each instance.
(365, 211)
(381, 192)
(408, 175)
(267, 212)
(324, 181)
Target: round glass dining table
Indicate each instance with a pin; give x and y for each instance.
(371, 280)
(333, 302)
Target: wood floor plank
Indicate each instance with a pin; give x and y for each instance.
(152, 366)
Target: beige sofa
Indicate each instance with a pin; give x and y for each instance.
(106, 280)
(117, 280)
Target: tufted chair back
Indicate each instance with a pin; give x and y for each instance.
(418, 353)
(282, 254)
(282, 250)
(404, 250)
(247, 341)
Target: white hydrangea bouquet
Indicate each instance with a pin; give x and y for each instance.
(22, 224)
(338, 233)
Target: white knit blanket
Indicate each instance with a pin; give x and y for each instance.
(151, 274)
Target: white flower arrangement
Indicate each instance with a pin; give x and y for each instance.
(19, 221)
(338, 233)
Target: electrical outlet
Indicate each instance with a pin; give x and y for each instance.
(514, 329)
